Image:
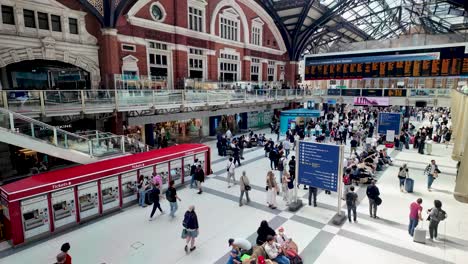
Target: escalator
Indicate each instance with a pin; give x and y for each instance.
(25, 132)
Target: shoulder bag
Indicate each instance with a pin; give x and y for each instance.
(246, 186)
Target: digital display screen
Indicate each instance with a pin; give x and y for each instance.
(430, 62)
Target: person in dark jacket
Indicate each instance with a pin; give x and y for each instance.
(236, 154)
(190, 224)
(373, 195)
(200, 177)
(263, 231)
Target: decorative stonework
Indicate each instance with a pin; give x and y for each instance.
(48, 51)
(98, 5)
(48, 46)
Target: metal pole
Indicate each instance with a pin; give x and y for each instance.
(12, 121)
(122, 144)
(340, 179)
(55, 137)
(296, 185)
(32, 129)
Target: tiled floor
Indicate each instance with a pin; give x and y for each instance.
(128, 236)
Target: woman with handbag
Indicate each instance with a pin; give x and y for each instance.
(190, 231)
(244, 185)
(272, 190)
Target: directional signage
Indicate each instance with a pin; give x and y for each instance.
(319, 165)
(389, 121)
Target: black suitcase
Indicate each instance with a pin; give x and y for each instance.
(149, 197)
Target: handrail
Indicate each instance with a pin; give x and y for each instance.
(39, 123)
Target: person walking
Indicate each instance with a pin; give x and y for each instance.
(61, 258)
(193, 169)
(200, 177)
(236, 154)
(244, 185)
(373, 195)
(432, 171)
(402, 175)
(286, 179)
(351, 199)
(287, 147)
(436, 214)
(272, 189)
(190, 231)
(141, 191)
(65, 248)
(156, 193)
(241, 146)
(171, 196)
(415, 215)
(282, 166)
(231, 172)
(312, 192)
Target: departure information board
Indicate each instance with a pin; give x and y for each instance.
(430, 62)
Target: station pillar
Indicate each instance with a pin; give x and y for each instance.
(109, 57)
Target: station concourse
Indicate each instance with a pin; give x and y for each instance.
(164, 131)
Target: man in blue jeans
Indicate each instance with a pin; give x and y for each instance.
(415, 215)
(193, 169)
(171, 196)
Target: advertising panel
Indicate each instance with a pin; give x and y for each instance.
(372, 101)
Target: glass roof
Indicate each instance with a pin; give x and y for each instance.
(311, 26)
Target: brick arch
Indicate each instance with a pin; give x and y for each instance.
(235, 6)
(11, 56)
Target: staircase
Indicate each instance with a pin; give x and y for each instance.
(25, 132)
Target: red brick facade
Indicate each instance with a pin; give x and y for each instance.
(137, 27)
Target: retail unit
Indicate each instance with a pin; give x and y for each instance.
(45, 202)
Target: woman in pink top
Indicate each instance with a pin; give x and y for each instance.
(157, 179)
(415, 215)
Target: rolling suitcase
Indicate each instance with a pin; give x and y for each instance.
(420, 234)
(149, 197)
(409, 184)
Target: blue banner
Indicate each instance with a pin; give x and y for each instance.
(389, 121)
(319, 165)
(331, 101)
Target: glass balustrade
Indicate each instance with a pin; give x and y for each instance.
(24, 101)
(62, 101)
(99, 101)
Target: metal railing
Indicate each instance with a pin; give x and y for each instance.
(94, 147)
(66, 102)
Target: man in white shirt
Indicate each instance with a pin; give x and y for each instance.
(242, 245)
(228, 134)
(231, 172)
(287, 147)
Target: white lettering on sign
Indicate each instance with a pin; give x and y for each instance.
(136, 166)
(61, 185)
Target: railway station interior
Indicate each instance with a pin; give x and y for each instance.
(233, 131)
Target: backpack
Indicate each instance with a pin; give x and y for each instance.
(442, 215)
(168, 194)
(347, 180)
(293, 257)
(350, 199)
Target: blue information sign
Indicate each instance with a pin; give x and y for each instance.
(389, 121)
(319, 165)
